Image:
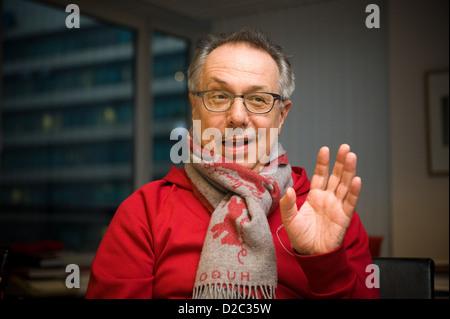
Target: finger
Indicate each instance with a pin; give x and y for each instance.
(352, 198)
(288, 206)
(338, 168)
(348, 174)
(320, 177)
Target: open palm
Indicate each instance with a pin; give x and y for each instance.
(319, 226)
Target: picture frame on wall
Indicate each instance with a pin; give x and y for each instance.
(437, 117)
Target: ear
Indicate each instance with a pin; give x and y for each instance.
(283, 113)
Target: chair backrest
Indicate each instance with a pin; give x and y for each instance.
(406, 278)
(5, 264)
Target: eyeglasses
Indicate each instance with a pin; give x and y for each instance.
(221, 101)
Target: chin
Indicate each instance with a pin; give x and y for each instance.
(256, 167)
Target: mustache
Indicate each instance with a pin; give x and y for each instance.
(238, 132)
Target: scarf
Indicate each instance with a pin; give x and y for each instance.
(238, 257)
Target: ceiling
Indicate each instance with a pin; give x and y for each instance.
(210, 9)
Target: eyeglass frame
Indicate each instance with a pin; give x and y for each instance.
(276, 97)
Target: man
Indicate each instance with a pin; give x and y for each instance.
(238, 221)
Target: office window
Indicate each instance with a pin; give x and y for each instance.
(67, 125)
(170, 96)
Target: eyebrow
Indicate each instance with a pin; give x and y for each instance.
(253, 88)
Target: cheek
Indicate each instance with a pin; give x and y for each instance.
(204, 120)
(268, 130)
(212, 121)
(195, 113)
(266, 122)
(199, 116)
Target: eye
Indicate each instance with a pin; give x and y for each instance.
(219, 96)
(258, 98)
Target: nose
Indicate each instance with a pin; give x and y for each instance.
(237, 114)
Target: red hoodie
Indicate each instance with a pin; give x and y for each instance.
(152, 248)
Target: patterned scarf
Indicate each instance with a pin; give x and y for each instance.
(238, 257)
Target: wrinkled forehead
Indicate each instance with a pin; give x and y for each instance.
(238, 62)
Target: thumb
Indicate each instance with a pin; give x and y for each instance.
(288, 206)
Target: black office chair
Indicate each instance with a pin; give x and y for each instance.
(406, 278)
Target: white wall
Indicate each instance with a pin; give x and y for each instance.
(341, 92)
(418, 41)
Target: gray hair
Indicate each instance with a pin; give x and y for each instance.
(254, 39)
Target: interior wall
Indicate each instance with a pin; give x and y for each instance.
(341, 92)
(418, 41)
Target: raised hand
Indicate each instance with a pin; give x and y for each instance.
(320, 224)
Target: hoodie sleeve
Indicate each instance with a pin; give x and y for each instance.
(341, 273)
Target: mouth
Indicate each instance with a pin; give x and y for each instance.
(236, 141)
(237, 144)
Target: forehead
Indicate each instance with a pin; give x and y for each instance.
(240, 64)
